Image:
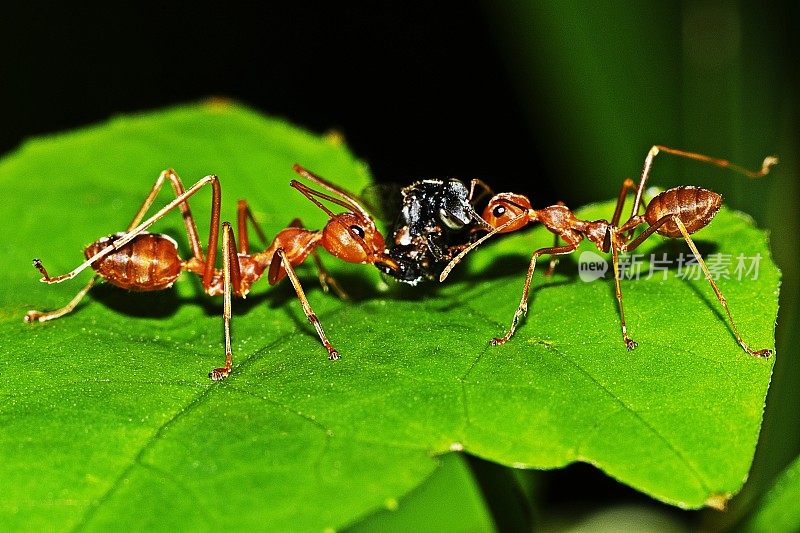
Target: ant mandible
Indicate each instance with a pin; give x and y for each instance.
(142, 261)
(677, 212)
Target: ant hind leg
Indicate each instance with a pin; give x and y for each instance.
(685, 233)
(43, 316)
(756, 353)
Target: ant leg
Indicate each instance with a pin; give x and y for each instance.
(188, 220)
(768, 162)
(522, 309)
(720, 297)
(660, 222)
(326, 280)
(312, 317)
(243, 215)
(191, 230)
(629, 342)
(231, 281)
(627, 185)
(486, 191)
(138, 230)
(43, 316)
(615, 246)
(551, 267)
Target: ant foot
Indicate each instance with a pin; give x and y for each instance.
(218, 374)
(333, 355)
(630, 343)
(329, 283)
(37, 264)
(497, 341)
(764, 354)
(32, 316)
(769, 162)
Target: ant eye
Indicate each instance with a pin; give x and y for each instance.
(358, 230)
(498, 211)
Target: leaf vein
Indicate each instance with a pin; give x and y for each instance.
(681, 457)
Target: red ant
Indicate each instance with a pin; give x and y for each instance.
(674, 213)
(142, 261)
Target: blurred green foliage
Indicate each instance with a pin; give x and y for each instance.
(778, 510)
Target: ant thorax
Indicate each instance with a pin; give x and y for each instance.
(435, 222)
(599, 232)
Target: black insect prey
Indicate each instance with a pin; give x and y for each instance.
(436, 221)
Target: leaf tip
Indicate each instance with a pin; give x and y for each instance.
(718, 501)
(218, 104)
(334, 137)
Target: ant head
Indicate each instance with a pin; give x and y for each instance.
(350, 236)
(355, 239)
(505, 207)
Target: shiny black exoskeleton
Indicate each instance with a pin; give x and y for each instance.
(436, 221)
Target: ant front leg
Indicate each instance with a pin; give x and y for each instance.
(485, 191)
(522, 309)
(301, 295)
(326, 280)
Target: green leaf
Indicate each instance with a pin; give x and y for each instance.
(108, 418)
(779, 510)
(422, 510)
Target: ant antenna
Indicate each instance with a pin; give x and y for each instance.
(457, 259)
(352, 204)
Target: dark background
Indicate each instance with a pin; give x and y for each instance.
(553, 100)
(418, 90)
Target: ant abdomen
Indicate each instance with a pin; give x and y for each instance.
(694, 206)
(149, 262)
